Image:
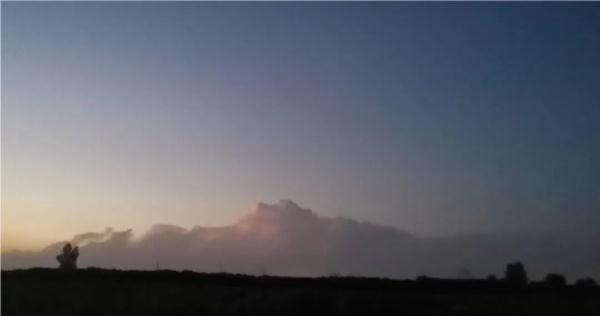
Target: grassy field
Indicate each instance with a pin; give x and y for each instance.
(114, 292)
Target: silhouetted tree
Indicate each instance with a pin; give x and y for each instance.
(586, 282)
(515, 273)
(492, 277)
(555, 279)
(68, 258)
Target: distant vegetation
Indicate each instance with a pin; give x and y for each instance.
(515, 273)
(94, 291)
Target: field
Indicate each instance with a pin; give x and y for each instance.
(114, 292)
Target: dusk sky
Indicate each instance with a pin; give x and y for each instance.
(436, 118)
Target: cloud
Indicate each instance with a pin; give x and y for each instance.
(286, 239)
(84, 238)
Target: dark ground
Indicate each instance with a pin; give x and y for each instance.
(113, 292)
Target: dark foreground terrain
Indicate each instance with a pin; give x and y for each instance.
(113, 292)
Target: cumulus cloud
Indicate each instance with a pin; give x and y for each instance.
(286, 239)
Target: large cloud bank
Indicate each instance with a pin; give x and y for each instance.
(285, 239)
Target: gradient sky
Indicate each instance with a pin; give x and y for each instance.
(437, 118)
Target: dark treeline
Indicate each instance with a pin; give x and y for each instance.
(423, 283)
(95, 291)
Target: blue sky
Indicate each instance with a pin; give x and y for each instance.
(433, 117)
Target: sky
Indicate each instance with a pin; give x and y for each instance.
(435, 118)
